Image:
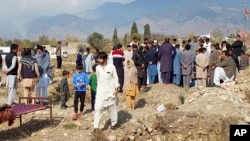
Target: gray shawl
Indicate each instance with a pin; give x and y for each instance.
(44, 65)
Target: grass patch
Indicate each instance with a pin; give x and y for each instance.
(69, 126)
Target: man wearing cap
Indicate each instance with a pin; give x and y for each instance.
(11, 71)
(59, 55)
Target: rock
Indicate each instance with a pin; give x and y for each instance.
(223, 97)
(209, 107)
(65, 135)
(111, 138)
(202, 133)
(192, 114)
(150, 130)
(77, 123)
(131, 138)
(247, 119)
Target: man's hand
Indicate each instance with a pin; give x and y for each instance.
(5, 71)
(115, 93)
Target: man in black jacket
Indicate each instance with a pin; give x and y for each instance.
(11, 71)
(237, 46)
(137, 58)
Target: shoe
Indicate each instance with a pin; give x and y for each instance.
(114, 127)
(66, 106)
(74, 117)
(45, 103)
(37, 102)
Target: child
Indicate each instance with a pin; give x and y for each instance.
(64, 89)
(131, 84)
(80, 81)
(93, 85)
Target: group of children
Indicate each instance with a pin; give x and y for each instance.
(81, 80)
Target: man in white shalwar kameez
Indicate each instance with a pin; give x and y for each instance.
(107, 90)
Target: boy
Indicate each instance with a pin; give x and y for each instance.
(64, 89)
(80, 81)
(93, 85)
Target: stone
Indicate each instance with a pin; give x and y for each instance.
(77, 123)
(209, 107)
(131, 138)
(111, 138)
(192, 114)
(223, 97)
(65, 134)
(150, 130)
(247, 119)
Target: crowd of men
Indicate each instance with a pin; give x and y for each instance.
(195, 62)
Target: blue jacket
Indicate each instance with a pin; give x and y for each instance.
(78, 79)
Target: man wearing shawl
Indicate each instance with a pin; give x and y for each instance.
(45, 71)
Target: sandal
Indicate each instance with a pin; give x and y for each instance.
(74, 117)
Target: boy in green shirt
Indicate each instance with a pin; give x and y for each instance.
(93, 85)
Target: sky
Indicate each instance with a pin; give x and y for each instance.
(30, 8)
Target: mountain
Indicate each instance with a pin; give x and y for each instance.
(164, 16)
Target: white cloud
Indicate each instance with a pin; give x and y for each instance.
(14, 8)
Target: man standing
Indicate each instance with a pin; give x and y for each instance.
(213, 61)
(194, 45)
(244, 60)
(11, 71)
(177, 66)
(88, 61)
(237, 46)
(207, 45)
(137, 58)
(151, 59)
(107, 90)
(59, 55)
(165, 57)
(226, 69)
(202, 62)
(118, 58)
(187, 59)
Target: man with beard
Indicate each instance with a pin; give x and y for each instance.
(237, 46)
(213, 62)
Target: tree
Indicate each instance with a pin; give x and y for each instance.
(134, 32)
(2, 42)
(125, 39)
(27, 44)
(71, 38)
(217, 35)
(53, 41)
(96, 40)
(115, 40)
(43, 40)
(147, 32)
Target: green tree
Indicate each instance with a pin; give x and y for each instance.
(71, 38)
(125, 39)
(217, 35)
(2, 42)
(53, 41)
(17, 41)
(27, 44)
(115, 40)
(134, 32)
(43, 40)
(147, 32)
(96, 40)
(8, 42)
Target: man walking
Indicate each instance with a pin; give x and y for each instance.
(106, 92)
(59, 55)
(11, 71)
(165, 57)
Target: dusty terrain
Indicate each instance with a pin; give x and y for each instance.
(191, 114)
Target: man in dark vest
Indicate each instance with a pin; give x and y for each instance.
(11, 71)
